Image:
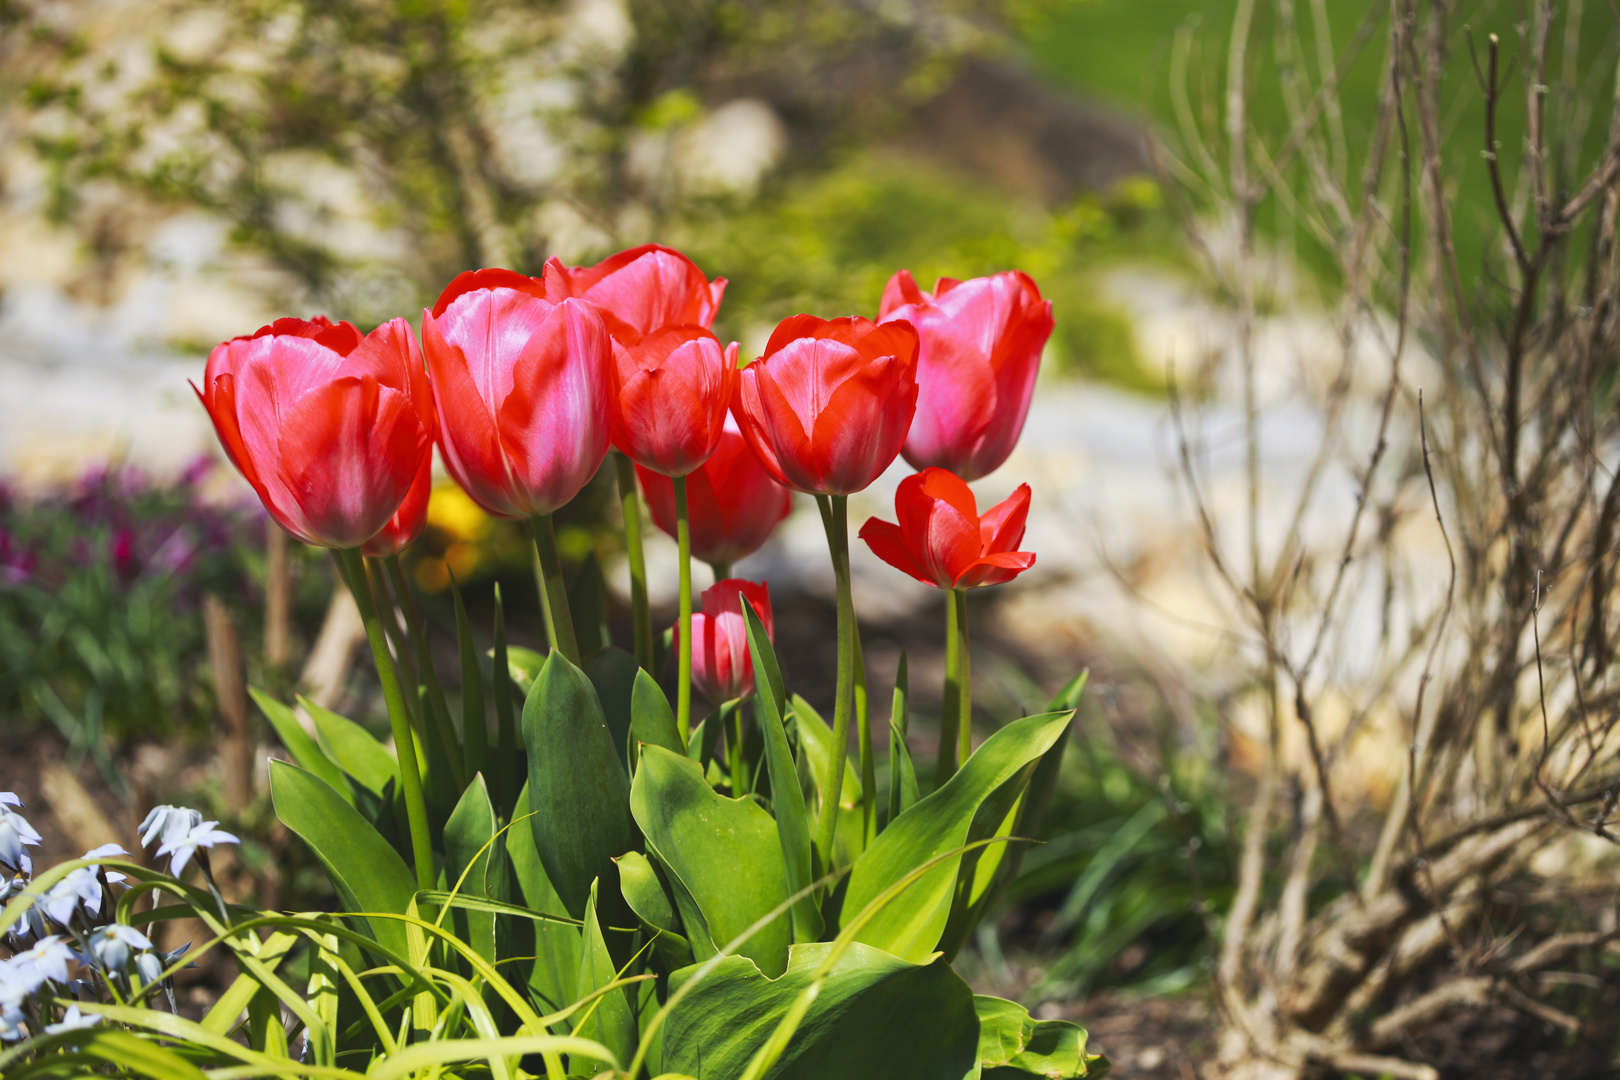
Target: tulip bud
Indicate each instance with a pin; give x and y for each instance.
(980, 353)
(674, 389)
(827, 407)
(524, 387)
(329, 426)
(942, 541)
(733, 504)
(722, 668)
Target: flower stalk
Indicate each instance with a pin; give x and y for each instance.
(410, 773)
(640, 608)
(417, 632)
(553, 592)
(683, 686)
(835, 516)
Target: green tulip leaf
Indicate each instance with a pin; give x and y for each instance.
(577, 783)
(356, 751)
(366, 872)
(874, 1016)
(652, 721)
(471, 826)
(588, 606)
(787, 797)
(815, 742)
(305, 751)
(556, 945)
(910, 925)
(525, 666)
(1013, 1044)
(609, 1020)
(474, 722)
(723, 852)
(644, 890)
(903, 791)
(612, 672)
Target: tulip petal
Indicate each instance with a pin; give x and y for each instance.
(468, 437)
(901, 290)
(888, 543)
(1002, 527)
(995, 569)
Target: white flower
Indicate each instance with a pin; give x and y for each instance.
(13, 1024)
(15, 834)
(72, 1020)
(9, 798)
(28, 971)
(111, 945)
(149, 966)
(81, 886)
(166, 822)
(184, 845)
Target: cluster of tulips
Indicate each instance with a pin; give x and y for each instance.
(529, 381)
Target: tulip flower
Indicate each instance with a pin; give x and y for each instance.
(329, 426)
(826, 409)
(981, 350)
(674, 392)
(523, 379)
(721, 664)
(734, 504)
(408, 521)
(639, 290)
(943, 541)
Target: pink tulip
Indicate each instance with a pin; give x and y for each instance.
(523, 379)
(642, 289)
(674, 390)
(722, 668)
(981, 350)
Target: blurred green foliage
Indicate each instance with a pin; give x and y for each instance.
(827, 242)
(1127, 52)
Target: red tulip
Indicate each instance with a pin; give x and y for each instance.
(732, 503)
(674, 387)
(981, 350)
(828, 405)
(643, 288)
(329, 426)
(722, 668)
(941, 539)
(524, 384)
(408, 521)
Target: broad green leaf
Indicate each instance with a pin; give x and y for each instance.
(910, 926)
(1013, 1044)
(787, 798)
(577, 783)
(472, 824)
(652, 721)
(588, 607)
(366, 872)
(556, 945)
(609, 1020)
(474, 723)
(647, 896)
(875, 1016)
(613, 673)
(304, 749)
(725, 852)
(525, 666)
(356, 751)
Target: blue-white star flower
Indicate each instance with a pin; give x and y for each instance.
(166, 822)
(15, 835)
(13, 1023)
(112, 945)
(45, 962)
(183, 846)
(72, 1020)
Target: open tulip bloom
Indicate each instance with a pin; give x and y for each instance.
(981, 350)
(943, 541)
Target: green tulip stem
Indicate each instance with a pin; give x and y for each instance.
(553, 592)
(964, 676)
(683, 684)
(863, 735)
(440, 709)
(722, 570)
(410, 773)
(950, 716)
(835, 516)
(640, 608)
(399, 648)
